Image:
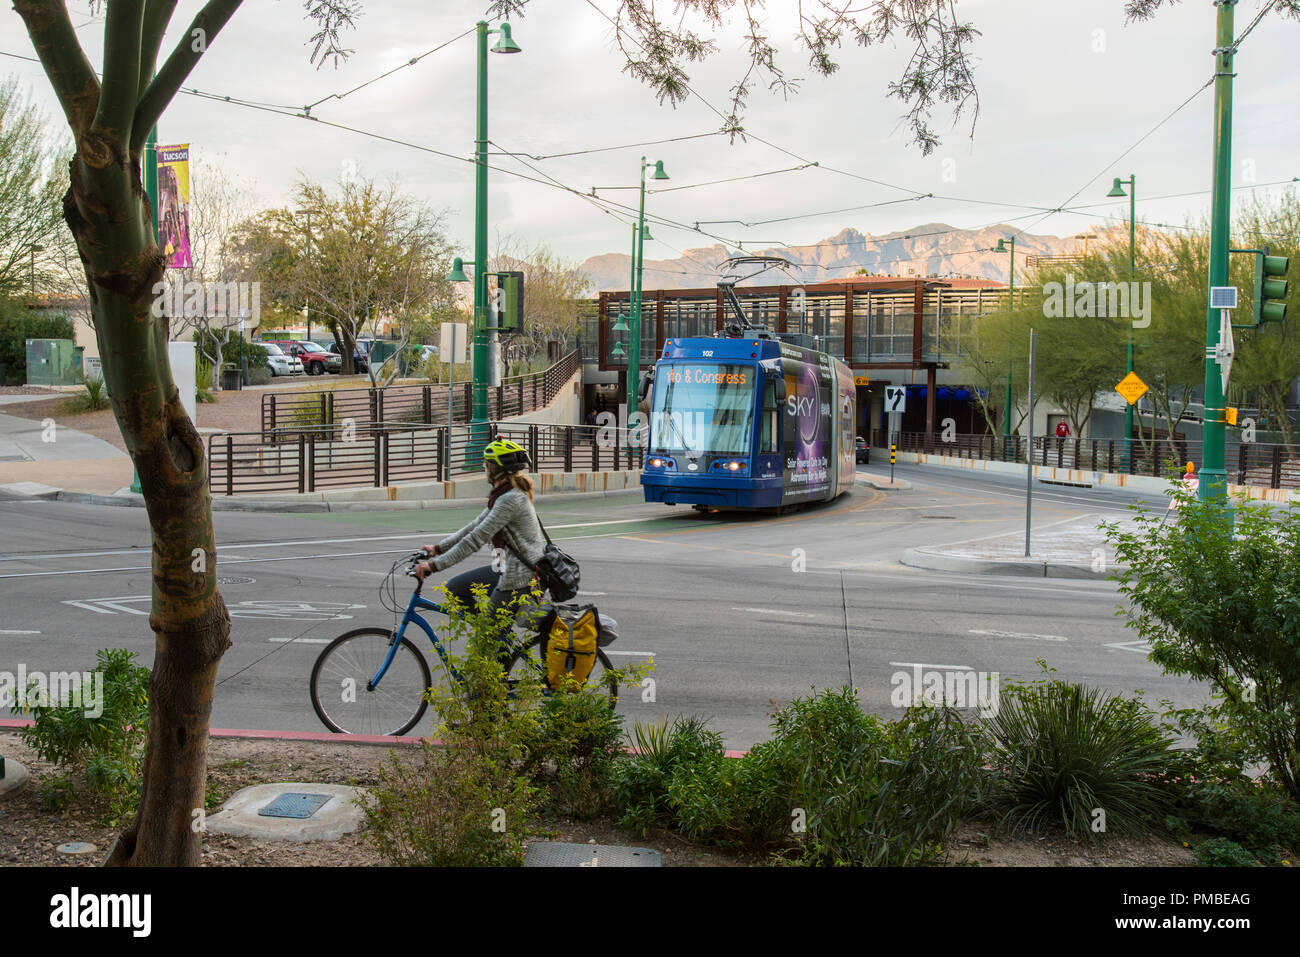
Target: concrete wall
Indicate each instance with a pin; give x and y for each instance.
(565, 408)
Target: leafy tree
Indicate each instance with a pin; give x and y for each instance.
(552, 289)
(217, 203)
(31, 194)
(109, 216)
(364, 254)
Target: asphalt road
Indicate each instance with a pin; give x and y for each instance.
(740, 613)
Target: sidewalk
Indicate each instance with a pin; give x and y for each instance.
(1074, 548)
(33, 456)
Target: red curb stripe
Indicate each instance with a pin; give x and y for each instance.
(314, 736)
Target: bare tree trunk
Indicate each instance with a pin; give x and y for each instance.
(189, 618)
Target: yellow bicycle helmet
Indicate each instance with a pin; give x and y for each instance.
(506, 455)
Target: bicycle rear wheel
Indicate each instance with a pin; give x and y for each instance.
(530, 657)
(342, 673)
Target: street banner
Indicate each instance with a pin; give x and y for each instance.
(174, 205)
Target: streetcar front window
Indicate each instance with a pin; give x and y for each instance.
(703, 408)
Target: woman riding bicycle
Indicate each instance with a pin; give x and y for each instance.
(509, 522)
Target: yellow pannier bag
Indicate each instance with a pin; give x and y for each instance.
(571, 646)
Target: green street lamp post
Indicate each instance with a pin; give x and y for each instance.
(1214, 477)
(479, 408)
(1011, 305)
(639, 236)
(1117, 192)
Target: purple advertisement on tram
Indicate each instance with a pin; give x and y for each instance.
(808, 439)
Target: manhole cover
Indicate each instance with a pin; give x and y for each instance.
(558, 854)
(235, 581)
(295, 804)
(77, 847)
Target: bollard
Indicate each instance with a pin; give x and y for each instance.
(893, 452)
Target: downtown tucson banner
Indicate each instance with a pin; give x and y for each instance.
(174, 205)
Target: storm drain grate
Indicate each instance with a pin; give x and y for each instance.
(559, 854)
(295, 804)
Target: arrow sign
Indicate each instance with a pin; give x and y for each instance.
(895, 398)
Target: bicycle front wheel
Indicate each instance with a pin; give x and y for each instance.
(340, 684)
(530, 658)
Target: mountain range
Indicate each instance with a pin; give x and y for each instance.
(932, 249)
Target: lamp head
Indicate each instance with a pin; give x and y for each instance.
(621, 325)
(457, 273)
(1117, 190)
(1001, 247)
(645, 232)
(506, 43)
(617, 350)
(659, 170)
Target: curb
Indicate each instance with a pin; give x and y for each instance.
(224, 504)
(1016, 567)
(884, 485)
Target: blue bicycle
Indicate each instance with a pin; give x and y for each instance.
(374, 680)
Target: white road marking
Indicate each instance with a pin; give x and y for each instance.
(774, 611)
(592, 594)
(281, 609)
(1141, 647)
(14, 631)
(920, 664)
(1016, 634)
(302, 641)
(630, 654)
(409, 536)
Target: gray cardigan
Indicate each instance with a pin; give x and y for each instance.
(514, 514)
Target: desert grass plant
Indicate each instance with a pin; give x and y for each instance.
(92, 400)
(97, 746)
(1075, 756)
(1216, 597)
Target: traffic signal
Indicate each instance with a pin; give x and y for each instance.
(1270, 288)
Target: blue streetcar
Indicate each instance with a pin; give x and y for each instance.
(749, 420)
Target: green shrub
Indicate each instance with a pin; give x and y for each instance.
(1211, 792)
(876, 792)
(576, 752)
(1216, 600)
(1063, 752)
(1221, 852)
(641, 789)
(834, 786)
(105, 751)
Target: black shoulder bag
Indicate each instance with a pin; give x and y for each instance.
(556, 570)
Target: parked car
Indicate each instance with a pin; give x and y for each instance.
(315, 359)
(360, 360)
(864, 450)
(278, 362)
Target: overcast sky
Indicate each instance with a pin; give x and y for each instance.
(1065, 88)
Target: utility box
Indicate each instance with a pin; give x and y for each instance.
(52, 362)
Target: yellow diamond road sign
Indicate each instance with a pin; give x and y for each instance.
(1131, 388)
